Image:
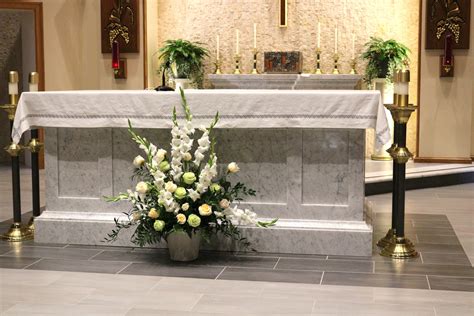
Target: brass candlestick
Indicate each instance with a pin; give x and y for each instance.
(218, 64)
(237, 64)
(335, 71)
(318, 62)
(254, 70)
(353, 66)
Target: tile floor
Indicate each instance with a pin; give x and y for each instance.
(57, 279)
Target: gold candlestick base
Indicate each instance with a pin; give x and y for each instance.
(318, 62)
(353, 66)
(399, 248)
(10, 109)
(336, 60)
(218, 67)
(387, 239)
(237, 65)
(18, 232)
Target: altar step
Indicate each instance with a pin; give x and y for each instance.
(378, 175)
(291, 236)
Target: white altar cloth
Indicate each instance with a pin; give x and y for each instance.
(237, 109)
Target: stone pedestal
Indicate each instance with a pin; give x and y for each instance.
(311, 179)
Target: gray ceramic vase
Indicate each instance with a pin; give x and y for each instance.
(183, 248)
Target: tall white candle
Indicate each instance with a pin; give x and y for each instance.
(353, 46)
(319, 35)
(237, 42)
(217, 48)
(33, 87)
(255, 35)
(13, 88)
(335, 40)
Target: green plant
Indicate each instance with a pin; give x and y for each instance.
(383, 57)
(183, 59)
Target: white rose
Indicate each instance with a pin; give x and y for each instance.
(170, 186)
(187, 157)
(142, 187)
(138, 161)
(160, 155)
(185, 207)
(233, 167)
(224, 203)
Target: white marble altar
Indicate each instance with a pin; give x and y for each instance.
(302, 151)
(286, 81)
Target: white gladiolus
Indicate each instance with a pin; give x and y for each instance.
(207, 174)
(159, 156)
(194, 195)
(240, 217)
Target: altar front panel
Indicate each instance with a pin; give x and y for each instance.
(312, 174)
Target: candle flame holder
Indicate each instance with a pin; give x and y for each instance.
(353, 66)
(318, 62)
(218, 64)
(254, 70)
(237, 64)
(335, 71)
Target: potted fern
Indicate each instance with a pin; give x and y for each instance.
(383, 57)
(183, 61)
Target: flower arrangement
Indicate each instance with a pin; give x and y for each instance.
(182, 191)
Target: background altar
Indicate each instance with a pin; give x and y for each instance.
(303, 151)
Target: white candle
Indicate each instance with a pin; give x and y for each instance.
(236, 42)
(33, 87)
(319, 35)
(353, 46)
(217, 48)
(335, 40)
(255, 35)
(13, 88)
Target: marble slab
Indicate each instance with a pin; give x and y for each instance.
(286, 81)
(311, 179)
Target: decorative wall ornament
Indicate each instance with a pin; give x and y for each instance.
(283, 62)
(119, 22)
(446, 17)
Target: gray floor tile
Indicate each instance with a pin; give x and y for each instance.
(16, 262)
(330, 257)
(99, 247)
(278, 255)
(270, 275)
(451, 284)
(423, 269)
(4, 249)
(434, 225)
(204, 272)
(131, 256)
(53, 253)
(453, 258)
(236, 261)
(438, 248)
(325, 265)
(79, 265)
(438, 239)
(375, 279)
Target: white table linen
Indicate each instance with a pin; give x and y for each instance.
(346, 109)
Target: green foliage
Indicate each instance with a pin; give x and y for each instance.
(383, 57)
(183, 59)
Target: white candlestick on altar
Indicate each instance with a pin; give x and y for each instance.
(217, 48)
(255, 35)
(335, 40)
(319, 35)
(236, 42)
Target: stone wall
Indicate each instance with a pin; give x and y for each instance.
(202, 20)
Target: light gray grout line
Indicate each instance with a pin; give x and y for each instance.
(276, 263)
(421, 257)
(65, 246)
(220, 273)
(194, 305)
(434, 308)
(96, 254)
(32, 263)
(313, 307)
(129, 264)
(321, 281)
(427, 280)
(416, 237)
